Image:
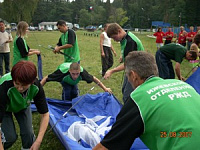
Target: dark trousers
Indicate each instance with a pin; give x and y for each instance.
(107, 61)
(165, 67)
(167, 41)
(6, 58)
(127, 89)
(24, 119)
(69, 91)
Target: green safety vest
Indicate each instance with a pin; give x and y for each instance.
(135, 38)
(73, 51)
(17, 101)
(64, 68)
(169, 109)
(16, 53)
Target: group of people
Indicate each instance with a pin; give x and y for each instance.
(182, 38)
(152, 105)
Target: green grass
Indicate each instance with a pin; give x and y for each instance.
(90, 60)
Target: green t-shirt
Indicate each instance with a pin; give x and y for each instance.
(170, 110)
(174, 51)
(68, 38)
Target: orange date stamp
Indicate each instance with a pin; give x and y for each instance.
(164, 134)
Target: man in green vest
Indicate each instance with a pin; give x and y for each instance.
(69, 75)
(18, 89)
(163, 113)
(67, 42)
(129, 42)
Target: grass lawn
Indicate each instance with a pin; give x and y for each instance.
(90, 60)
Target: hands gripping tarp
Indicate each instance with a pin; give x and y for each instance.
(88, 122)
(194, 80)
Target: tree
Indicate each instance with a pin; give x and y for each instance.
(118, 15)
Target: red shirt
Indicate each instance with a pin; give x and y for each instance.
(170, 34)
(182, 38)
(191, 34)
(159, 37)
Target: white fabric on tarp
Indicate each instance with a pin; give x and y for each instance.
(89, 131)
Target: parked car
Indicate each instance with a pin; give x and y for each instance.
(91, 28)
(49, 29)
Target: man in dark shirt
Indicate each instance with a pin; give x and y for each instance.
(69, 75)
(176, 52)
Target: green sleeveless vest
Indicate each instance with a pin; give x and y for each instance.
(16, 53)
(64, 68)
(73, 51)
(169, 109)
(124, 42)
(17, 102)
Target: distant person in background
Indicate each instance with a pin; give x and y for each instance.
(129, 42)
(195, 46)
(5, 39)
(159, 37)
(174, 52)
(106, 51)
(182, 36)
(169, 36)
(68, 43)
(198, 30)
(21, 50)
(190, 37)
(174, 39)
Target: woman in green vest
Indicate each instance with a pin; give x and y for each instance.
(18, 89)
(21, 50)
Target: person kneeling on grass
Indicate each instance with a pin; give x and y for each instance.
(18, 89)
(69, 75)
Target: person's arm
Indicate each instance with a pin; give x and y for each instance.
(43, 126)
(129, 125)
(69, 44)
(1, 145)
(111, 71)
(10, 39)
(101, 45)
(99, 83)
(178, 71)
(114, 52)
(43, 81)
(33, 51)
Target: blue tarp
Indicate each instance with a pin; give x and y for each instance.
(194, 80)
(101, 104)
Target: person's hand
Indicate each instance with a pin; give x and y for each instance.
(107, 74)
(103, 54)
(56, 50)
(35, 146)
(120, 59)
(182, 78)
(108, 90)
(37, 52)
(115, 53)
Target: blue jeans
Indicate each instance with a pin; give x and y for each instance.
(24, 119)
(6, 58)
(69, 91)
(165, 67)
